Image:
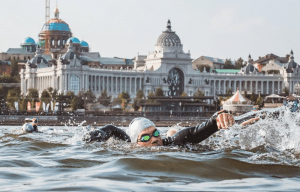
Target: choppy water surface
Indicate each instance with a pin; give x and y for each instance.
(262, 156)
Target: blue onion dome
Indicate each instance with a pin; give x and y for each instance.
(84, 44)
(29, 41)
(56, 25)
(74, 40)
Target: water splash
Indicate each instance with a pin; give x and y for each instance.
(276, 134)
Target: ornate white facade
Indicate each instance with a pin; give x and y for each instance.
(168, 67)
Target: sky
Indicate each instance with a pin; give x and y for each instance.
(123, 28)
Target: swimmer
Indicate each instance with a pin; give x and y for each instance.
(30, 125)
(144, 132)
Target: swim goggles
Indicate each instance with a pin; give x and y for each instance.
(147, 137)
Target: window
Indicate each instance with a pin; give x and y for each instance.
(75, 82)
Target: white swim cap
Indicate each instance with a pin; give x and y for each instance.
(136, 126)
(27, 127)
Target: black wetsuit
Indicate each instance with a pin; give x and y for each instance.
(188, 135)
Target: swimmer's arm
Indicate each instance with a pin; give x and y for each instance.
(195, 134)
(103, 134)
(253, 120)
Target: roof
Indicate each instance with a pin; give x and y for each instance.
(237, 97)
(18, 51)
(84, 44)
(115, 61)
(29, 41)
(268, 57)
(215, 60)
(56, 25)
(227, 70)
(111, 61)
(74, 40)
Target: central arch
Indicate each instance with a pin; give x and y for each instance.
(176, 82)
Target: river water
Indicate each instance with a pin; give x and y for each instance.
(262, 156)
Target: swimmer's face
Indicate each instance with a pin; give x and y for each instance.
(153, 141)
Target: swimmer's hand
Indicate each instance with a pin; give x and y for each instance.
(224, 120)
(250, 121)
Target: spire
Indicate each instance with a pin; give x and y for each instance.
(70, 45)
(56, 12)
(38, 51)
(169, 25)
(291, 56)
(249, 60)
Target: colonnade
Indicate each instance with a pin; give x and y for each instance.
(113, 84)
(251, 86)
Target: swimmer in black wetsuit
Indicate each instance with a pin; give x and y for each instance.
(143, 132)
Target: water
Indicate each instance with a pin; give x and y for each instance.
(262, 156)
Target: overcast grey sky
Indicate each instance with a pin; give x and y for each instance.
(122, 28)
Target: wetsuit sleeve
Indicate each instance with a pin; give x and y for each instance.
(104, 133)
(194, 134)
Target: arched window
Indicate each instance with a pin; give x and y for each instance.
(52, 42)
(58, 42)
(64, 42)
(176, 82)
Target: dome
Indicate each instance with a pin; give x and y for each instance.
(168, 38)
(29, 41)
(84, 44)
(74, 40)
(56, 25)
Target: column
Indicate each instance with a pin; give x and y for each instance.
(273, 87)
(140, 83)
(246, 87)
(121, 84)
(267, 87)
(278, 88)
(256, 82)
(107, 84)
(219, 86)
(135, 86)
(130, 90)
(117, 90)
(215, 84)
(234, 86)
(126, 84)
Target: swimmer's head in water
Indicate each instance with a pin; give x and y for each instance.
(136, 126)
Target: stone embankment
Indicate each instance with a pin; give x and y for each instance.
(160, 121)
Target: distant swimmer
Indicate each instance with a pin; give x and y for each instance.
(30, 125)
(144, 132)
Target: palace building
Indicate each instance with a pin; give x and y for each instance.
(72, 67)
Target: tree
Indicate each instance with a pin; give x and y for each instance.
(104, 99)
(54, 94)
(228, 64)
(286, 90)
(183, 94)
(246, 94)
(198, 93)
(33, 96)
(50, 90)
(124, 98)
(12, 96)
(45, 97)
(239, 63)
(14, 68)
(259, 101)
(253, 97)
(201, 68)
(159, 92)
(151, 94)
(138, 99)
